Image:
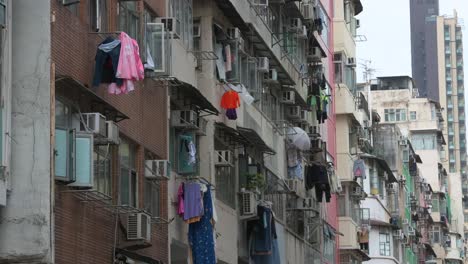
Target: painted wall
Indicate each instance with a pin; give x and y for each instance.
(25, 225)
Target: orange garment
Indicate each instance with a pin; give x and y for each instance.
(193, 220)
(230, 100)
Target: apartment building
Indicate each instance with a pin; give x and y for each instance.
(421, 123)
(353, 120)
(107, 163)
(437, 63)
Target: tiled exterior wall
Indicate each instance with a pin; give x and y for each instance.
(85, 231)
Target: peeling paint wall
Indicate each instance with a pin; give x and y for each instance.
(25, 223)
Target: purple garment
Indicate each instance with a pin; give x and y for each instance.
(192, 201)
(231, 114)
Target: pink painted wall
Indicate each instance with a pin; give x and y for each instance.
(332, 207)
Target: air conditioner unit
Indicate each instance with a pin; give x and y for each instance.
(170, 25)
(241, 43)
(293, 112)
(224, 158)
(314, 130)
(293, 185)
(295, 24)
(156, 169)
(196, 30)
(427, 197)
(233, 33)
(316, 144)
(397, 233)
(288, 97)
(403, 142)
(411, 231)
(303, 33)
(391, 187)
(263, 64)
(271, 76)
(304, 114)
(139, 227)
(357, 191)
(308, 11)
(202, 125)
(184, 118)
(260, 3)
(351, 62)
(315, 54)
(404, 222)
(94, 123)
(112, 133)
(248, 205)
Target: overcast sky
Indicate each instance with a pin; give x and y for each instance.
(386, 25)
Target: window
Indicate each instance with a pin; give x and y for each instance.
(412, 115)
(129, 19)
(225, 180)
(98, 15)
(424, 141)
(384, 244)
(102, 169)
(392, 115)
(434, 234)
(183, 13)
(73, 150)
(128, 175)
(400, 115)
(152, 197)
(435, 204)
(73, 6)
(389, 115)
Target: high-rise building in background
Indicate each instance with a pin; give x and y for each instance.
(437, 65)
(423, 46)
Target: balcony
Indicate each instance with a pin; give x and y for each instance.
(345, 102)
(450, 106)
(460, 77)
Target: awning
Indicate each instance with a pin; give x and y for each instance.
(125, 254)
(357, 7)
(191, 96)
(430, 249)
(375, 222)
(357, 252)
(255, 140)
(87, 100)
(383, 164)
(229, 135)
(418, 158)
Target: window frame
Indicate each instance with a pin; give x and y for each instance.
(99, 154)
(132, 174)
(125, 22)
(386, 250)
(152, 197)
(98, 15)
(413, 115)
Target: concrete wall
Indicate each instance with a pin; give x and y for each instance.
(26, 223)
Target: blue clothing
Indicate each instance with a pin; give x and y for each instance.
(102, 72)
(273, 258)
(200, 235)
(295, 172)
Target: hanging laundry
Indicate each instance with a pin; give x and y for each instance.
(246, 96)
(263, 244)
(228, 58)
(359, 168)
(231, 114)
(200, 235)
(180, 200)
(316, 176)
(192, 153)
(130, 66)
(230, 100)
(193, 203)
(220, 64)
(107, 61)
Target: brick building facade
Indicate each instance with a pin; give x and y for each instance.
(86, 232)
